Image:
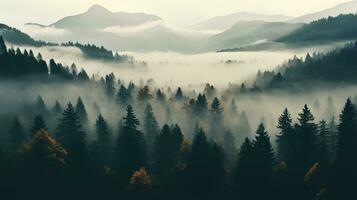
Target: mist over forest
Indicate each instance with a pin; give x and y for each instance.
(122, 105)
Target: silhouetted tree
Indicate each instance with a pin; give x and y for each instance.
(16, 135)
(151, 129)
(38, 124)
(81, 111)
(130, 150)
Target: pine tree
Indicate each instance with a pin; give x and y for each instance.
(346, 161)
(130, 150)
(307, 132)
(38, 124)
(81, 111)
(243, 184)
(323, 143)
(72, 137)
(233, 110)
(201, 107)
(102, 147)
(3, 49)
(40, 106)
(179, 95)
(16, 135)
(122, 96)
(263, 163)
(57, 109)
(286, 139)
(151, 128)
(160, 96)
(167, 152)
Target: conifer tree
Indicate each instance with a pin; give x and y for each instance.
(72, 137)
(122, 96)
(3, 49)
(131, 148)
(16, 135)
(323, 143)
(179, 95)
(102, 147)
(57, 109)
(307, 134)
(286, 139)
(151, 128)
(81, 111)
(243, 183)
(38, 124)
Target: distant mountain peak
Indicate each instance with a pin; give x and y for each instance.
(96, 8)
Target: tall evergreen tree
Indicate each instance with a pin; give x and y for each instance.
(102, 148)
(323, 143)
(307, 134)
(57, 109)
(167, 151)
(286, 139)
(16, 135)
(81, 111)
(131, 148)
(243, 184)
(38, 124)
(263, 163)
(3, 49)
(179, 95)
(72, 137)
(123, 96)
(346, 162)
(151, 129)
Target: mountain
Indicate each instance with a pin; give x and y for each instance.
(340, 28)
(343, 8)
(247, 33)
(222, 23)
(103, 18)
(14, 36)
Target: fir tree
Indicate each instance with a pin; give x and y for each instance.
(286, 139)
(151, 128)
(38, 124)
(307, 132)
(72, 137)
(102, 147)
(16, 135)
(130, 150)
(81, 111)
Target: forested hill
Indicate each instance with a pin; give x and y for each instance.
(15, 36)
(93, 51)
(342, 27)
(337, 66)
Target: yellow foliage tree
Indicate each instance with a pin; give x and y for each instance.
(140, 180)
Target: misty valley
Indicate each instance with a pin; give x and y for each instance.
(124, 105)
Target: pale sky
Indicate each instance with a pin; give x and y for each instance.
(174, 12)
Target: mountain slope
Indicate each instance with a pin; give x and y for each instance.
(343, 8)
(103, 18)
(14, 36)
(222, 23)
(343, 27)
(246, 33)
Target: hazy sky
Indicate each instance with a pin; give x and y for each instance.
(175, 12)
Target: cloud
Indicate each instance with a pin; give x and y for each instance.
(132, 29)
(38, 32)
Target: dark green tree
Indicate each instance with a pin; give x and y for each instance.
(130, 153)
(307, 134)
(38, 123)
(70, 134)
(81, 111)
(16, 135)
(151, 129)
(286, 139)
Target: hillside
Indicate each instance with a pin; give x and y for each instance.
(223, 23)
(15, 36)
(247, 33)
(342, 27)
(343, 8)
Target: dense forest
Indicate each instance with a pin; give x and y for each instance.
(318, 69)
(144, 142)
(92, 51)
(340, 28)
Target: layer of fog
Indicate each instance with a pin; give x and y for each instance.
(176, 69)
(259, 108)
